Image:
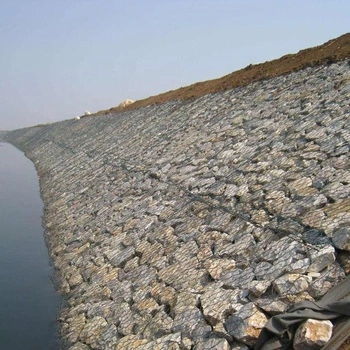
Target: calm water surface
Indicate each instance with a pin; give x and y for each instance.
(28, 300)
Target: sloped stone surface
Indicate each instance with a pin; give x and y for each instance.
(167, 223)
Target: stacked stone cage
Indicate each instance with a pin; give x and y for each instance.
(179, 223)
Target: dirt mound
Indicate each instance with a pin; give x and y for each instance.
(332, 51)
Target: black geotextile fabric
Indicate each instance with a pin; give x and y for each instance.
(279, 331)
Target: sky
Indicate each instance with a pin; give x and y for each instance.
(59, 58)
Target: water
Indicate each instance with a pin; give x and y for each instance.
(28, 300)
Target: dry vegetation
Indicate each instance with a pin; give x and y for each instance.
(332, 51)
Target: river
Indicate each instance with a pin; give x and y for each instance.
(28, 301)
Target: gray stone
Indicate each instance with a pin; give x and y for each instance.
(246, 324)
(258, 288)
(292, 284)
(126, 319)
(220, 331)
(187, 320)
(242, 247)
(341, 238)
(237, 278)
(142, 275)
(312, 334)
(212, 344)
(79, 346)
(217, 267)
(321, 258)
(92, 330)
(272, 306)
(218, 304)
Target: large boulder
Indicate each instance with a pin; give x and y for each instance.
(246, 324)
(312, 334)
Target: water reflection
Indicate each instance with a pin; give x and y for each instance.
(28, 301)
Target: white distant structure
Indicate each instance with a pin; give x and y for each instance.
(126, 103)
(87, 113)
(77, 118)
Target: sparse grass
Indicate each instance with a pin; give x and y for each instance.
(330, 52)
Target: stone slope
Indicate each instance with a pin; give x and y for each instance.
(187, 225)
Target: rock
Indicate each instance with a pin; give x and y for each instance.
(344, 261)
(314, 218)
(105, 309)
(231, 190)
(220, 331)
(74, 278)
(212, 344)
(326, 280)
(341, 238)
(238, 278)
(187, 343)
(204, 253)
(75, 326)
(108, 338)
(292, 284)
(220, 221)
(321, 258)
(186, 321)
(161, 323)
(303, 187)
(186, 252)
(238, 346)
(184, 275)
(168, 296)
(260, 218)
(218, 267)
(283, 248)
(316, 237)
(276, 202)
(242, 247)
(142, 275)
(246, 324)
(121, 291)
(272, 306)
(147, 306)
(334, 209)
(315, 134)
(258, 288)
(269, 272)
(126, 319)
(170, 341)
(131, 264)
(92, 330)
(300, 266)
(218, 304)
(132, 342)
(312, 334)
(118, 257)
(79, 346)
(201, 331)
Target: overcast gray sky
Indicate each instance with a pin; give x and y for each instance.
(61, 57)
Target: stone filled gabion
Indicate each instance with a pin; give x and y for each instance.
(170, 224)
